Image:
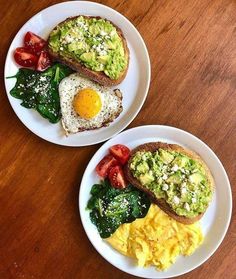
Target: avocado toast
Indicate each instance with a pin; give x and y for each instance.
(176, 179)
(92, 46)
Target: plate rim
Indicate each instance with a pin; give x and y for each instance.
(215, 158)
(139, 107)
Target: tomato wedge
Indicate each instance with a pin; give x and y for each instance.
(120, 152)
(33, 42)
(104, 166)
(117, 178)
(44, 61)
(25, 58)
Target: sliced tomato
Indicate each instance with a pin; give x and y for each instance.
(25, 58)
(117, 178)
(104, 166)
(33, 42)
(44, 61)
(120, 152)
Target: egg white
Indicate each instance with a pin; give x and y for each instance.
(71, 121)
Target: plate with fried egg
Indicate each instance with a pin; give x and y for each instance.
(155, 245)
(90, 112)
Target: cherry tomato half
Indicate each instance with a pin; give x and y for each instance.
(104, 166)
(120, 152)
(33, 42)
(44, 61)
(25, 58)
(117, 178)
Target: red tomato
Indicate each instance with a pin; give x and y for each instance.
(117, 178)
(34, 42)
(104, 166)
(25, 58)
(120, 152)
(44, 61)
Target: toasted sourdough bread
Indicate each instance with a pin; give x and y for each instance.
(152, 147)
(99, 77)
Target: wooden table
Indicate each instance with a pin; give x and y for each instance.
(192, 46)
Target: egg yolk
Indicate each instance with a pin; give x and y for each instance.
(87, 103)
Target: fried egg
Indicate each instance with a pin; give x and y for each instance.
(86, 105)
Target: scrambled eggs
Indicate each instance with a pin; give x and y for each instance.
(156, 239)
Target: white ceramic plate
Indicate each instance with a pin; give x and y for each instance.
(134, 87)
(214, 223)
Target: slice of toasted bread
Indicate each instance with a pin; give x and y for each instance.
(97, 76)
(152, 147)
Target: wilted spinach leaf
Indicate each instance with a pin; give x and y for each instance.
(112, 207)
(39, 90)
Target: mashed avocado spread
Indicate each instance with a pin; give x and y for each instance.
(175, 177)
(93, 42)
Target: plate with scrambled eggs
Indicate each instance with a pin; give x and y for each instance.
(156, 245)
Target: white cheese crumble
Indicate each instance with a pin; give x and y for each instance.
(186, 206)
(183, 190)
(103, 52)
(194, 200)
(103, 33)
(68, 39)
(165, 187)
(164, 177)
(175, 168)
(144, 158)
(175, 200)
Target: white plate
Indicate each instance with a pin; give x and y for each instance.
(214, 223)
(134, 87)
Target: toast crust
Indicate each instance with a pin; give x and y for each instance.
(99, 77)
(152, 147)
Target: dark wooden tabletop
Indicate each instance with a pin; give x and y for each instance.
(192, 47)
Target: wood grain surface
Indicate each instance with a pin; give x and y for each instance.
(192, 47)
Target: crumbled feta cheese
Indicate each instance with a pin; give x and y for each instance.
(194, 200)
(61, 48)
(103, 52)
(175, 168)
(103, 33)
(183, 190)
(165, 187)
(144, 158)
(68, 39)
(164, 177)
(175, 200)
(186, 206)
